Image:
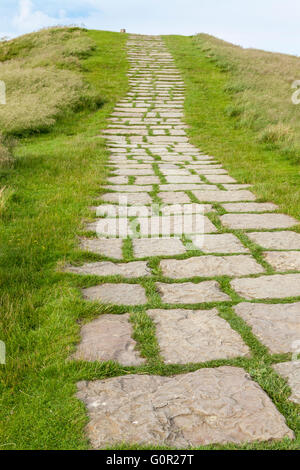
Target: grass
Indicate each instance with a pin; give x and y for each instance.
(239, 109)
(56, 176)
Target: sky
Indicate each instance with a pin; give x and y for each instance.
(273, 25)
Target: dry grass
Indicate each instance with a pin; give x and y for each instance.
(43, 80)
(261, 87)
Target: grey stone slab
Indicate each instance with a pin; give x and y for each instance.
(146, 247)
(174, 198)
(236, 186)
(147, 180)
(220, 179)
(276, 325)
(117, 294)
(191, 293)
(250, 207)
(210, 266)
(212, 405)
(195, 336)
(191, 208)
(128, 188)
(187, 187)
(107, 268)
(219, 243)
(183, 179)
(277, 286)
(134, 172)
(108, 338)
(111, 227)
(118, 180)
(223, 196)
(111, 248)
(129, 198)
(291, 372)
(283, 260)
(257, 221)
(176, 224)
(286, 240)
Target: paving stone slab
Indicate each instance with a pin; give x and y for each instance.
(283, 260)
(183, 179)
(118, 180)
(129, 198)
(111, 248)
(187, 187)
(117, 294)
(220, 179)
(277, 286)
(174, 198)
(176, 224)
(257, 221)
(250, 207)
(276, 325)
(147, 180)
(276, 240)
(107, 268)
(108, 338)
(210, 266)
(225, 405)
(191, 293)
(291, 372)
(195, 336)
(146, 247)
(129, 188)
(223, 196)
(219, 243)
(111, 227)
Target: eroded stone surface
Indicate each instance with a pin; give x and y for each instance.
(145, 247)
(191, 293)
(276, 325)
(291, 372)
(219, 243)
(223, 196)
(111, 248)
(117, 294)
(210, 266)
(283, 260)
(254, 221)
(108, 338)
(250, 207)
(107, 268)
(195, 336)
(287, 240)
(214, 405)
(268, 287)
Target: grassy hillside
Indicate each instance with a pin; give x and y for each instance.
(47, 194)
(239, 109)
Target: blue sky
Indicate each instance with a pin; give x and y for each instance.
(265, 24)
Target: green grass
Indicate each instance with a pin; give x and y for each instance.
(51, 186)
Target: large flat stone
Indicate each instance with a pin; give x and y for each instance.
(108, 338)
(220, 179)
(187, 187)
(276, 325)
(223, 196)
(276, 240)
(129, 198)
(210, 266)
(178, 224)
(277, 286)
(183, 179)
(191, 293)
(195, 336)
(107, 268)
(291, 372)
(117, 294)
(250, 207)
(111, 227)
(219, 243)
(214, 405)
(174, 198)
(111, 248)
(283, 260)
(257, 221)
(146, 247)
(147, 180)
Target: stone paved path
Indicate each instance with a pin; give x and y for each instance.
(152, 162)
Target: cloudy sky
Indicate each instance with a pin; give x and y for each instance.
(266, 24)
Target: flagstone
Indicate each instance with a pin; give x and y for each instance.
(219, 243)
(286, 240)
(191, 293)
(110, 247)
(257, 221)
(108, 338)
(107, 268)
(117, 294)
(146, 247)
(223, 196)
(163, 411)
(291, 372)
(195, 336)
(250, 207)
(276, 286)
